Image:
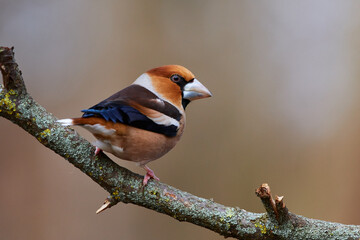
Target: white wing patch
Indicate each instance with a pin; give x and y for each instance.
(165, 120)
(99, 129)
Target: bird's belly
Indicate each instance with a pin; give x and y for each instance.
(136, 144)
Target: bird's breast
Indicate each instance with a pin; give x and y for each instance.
(133, 144)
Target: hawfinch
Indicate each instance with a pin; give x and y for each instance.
(144, 121)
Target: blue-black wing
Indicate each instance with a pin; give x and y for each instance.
(118, 109)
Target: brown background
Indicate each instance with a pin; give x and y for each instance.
(286, 108)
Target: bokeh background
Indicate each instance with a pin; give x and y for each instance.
(286, 108)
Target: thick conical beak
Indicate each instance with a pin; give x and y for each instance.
(195, 90)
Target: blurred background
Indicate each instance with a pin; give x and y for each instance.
(285, 110)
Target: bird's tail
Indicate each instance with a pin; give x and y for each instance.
(66, 121)
(72, 121)
(79, 121)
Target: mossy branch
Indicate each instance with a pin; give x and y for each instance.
(125, 186)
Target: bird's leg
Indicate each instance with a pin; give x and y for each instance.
(97, 151)
(149, 174)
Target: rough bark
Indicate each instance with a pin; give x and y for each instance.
(125, 186)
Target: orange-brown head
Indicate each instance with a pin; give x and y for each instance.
(173, 83)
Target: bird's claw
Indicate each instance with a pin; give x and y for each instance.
(149, 174)
(97, 151)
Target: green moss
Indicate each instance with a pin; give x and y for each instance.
(7, 104)
(116, 194)
(228, 226)
(230, 212)
(12, 92)
(43, 135)
(153, 192)
(261, 226)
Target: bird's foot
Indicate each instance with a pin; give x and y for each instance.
(149, 174)
(97, 151)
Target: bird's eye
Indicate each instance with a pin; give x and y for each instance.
(175, 78)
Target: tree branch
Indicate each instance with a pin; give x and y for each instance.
(125, 186)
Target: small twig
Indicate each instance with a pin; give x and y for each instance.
(276, 209)
(264, 193)
(9, 69)
(283, 212)
(107, 204)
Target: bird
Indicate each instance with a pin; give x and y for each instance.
(145, 120)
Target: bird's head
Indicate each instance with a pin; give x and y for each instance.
(175, 84)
